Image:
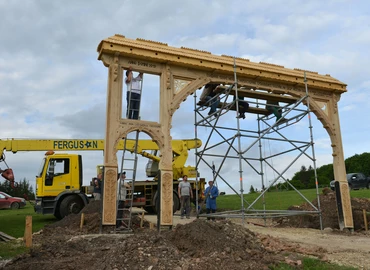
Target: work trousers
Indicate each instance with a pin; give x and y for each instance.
(209, 211)
(214, 103)
(185, 205)
(133, 105)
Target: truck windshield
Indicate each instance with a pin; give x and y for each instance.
(39, 174)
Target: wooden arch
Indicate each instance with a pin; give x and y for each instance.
(182, 71)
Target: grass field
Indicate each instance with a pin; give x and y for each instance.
(277, 200)
(12, 221)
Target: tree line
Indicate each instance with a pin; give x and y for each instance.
(305, 177)
(21, 189)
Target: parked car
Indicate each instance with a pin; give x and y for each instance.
(355, 181)
(7, 201)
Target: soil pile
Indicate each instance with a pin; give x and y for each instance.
(329, 209)
(70, 225)
(197, 245)
(200, 244)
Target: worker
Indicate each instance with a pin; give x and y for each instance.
(273, 107)
(185, 193)
(97, 187)
(133, 96)
(211, 193)
(242, 107)
(122, 187)
(209, 96)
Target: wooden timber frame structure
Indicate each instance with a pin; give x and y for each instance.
(182, 71)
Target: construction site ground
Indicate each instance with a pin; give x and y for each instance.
(200, 244)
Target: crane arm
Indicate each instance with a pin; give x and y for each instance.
(15, 145)
(180, 148)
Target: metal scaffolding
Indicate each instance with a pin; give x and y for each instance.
(252, 148)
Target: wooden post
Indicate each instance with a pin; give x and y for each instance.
(28, 231)
(142, 218)
(151, 226)
(82, 220)
(365, 219)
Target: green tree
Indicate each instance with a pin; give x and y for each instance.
(21, 189)
(251, 190)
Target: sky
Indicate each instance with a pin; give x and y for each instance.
(53, 86)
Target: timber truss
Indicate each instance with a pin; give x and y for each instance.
(182, 72)
(232, 142)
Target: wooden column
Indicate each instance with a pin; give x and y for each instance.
(113, 115)
(165, 165)
(340, 170)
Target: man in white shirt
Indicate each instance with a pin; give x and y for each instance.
(133, 94)
(185, 193)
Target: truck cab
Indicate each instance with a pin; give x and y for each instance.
(59, 188)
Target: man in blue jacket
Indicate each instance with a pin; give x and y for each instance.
(211, 194)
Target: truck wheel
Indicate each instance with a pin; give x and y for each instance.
(176, 202)
(57, 214)
(70, 205)
(14, 205)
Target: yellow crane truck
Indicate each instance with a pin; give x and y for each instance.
(59, 188)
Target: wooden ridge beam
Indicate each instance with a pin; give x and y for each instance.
(162, 53)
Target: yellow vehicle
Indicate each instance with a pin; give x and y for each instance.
(59, 189)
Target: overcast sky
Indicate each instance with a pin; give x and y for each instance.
(53, 86)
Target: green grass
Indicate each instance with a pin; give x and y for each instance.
(277, 200)
(13, 221)
(313, 264)
(11, 249)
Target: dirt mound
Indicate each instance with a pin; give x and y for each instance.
(223, 243)
(329, 213)
(70, 225)
(200, 244)
(197, 245)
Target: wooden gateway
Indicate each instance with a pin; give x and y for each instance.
(182, 71)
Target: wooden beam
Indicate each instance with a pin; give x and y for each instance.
(158, 52)
(259, 94)
(251, 109)
(5, 237)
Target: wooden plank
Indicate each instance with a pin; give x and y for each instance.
(251, 109)
(28, 232)
(258, 94)
(5, 237)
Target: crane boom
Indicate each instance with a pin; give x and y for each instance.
(15, 145)
(180, 150)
